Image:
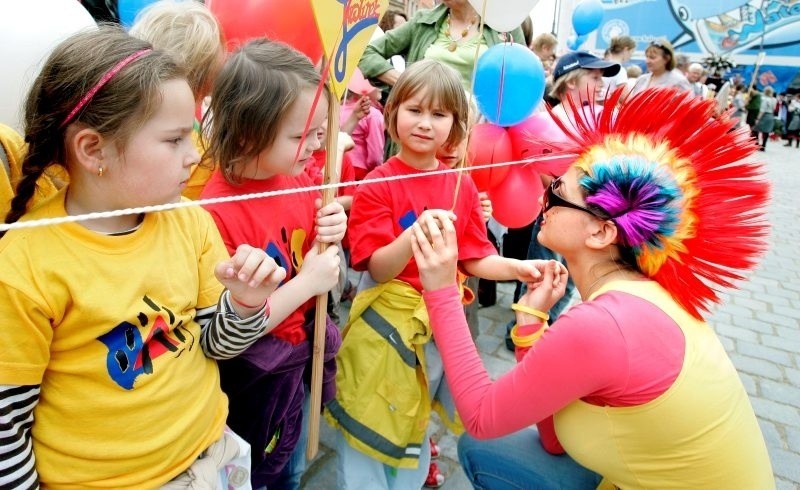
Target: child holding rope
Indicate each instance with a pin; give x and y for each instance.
(267, 106)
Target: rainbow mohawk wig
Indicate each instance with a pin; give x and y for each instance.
(675, 180)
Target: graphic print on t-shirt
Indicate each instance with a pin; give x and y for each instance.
(131, 355)
(294, 248)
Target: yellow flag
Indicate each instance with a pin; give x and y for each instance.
(345, 27)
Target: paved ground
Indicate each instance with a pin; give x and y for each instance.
(759, 325)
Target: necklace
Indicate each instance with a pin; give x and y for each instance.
(590, 289)
(464, 33)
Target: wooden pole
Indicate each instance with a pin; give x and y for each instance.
(318, 355)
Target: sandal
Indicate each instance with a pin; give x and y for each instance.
(435, 449)
(435, 477)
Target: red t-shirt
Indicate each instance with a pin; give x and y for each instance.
(283, 226)
(381, 212)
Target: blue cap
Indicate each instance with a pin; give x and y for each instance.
(582, 59)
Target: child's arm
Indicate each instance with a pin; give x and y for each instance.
(17, 462)
(242, 312)
(497, 268)
(390, 260)
(318, 275)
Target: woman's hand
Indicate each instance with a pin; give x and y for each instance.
(547, 289)
(251, 276)
(433, 241)
(331, 222)
(320, 271)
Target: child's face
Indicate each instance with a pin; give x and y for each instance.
(422, 128)
(588, 87)
(451, 155)
(279, 157)
(154, 165)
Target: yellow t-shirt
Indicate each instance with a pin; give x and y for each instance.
(14, 149)
(200, 172)
(716, 443)
(106, 325)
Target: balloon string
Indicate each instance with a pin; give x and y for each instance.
(262, 195)
(462, 161)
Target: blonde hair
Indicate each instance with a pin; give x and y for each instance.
(665, 49)
(560, 88)
(543, 40)
(189, 31)
(634, 71)
(620, 43)
(443, 88)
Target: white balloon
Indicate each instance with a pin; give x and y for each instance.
(29, 31)
(504, 15)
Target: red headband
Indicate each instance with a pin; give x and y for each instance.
(101, 83)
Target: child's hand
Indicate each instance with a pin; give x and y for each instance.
(344, 142)
(543, 294)
(251, 276)
(486, 205)
(362, 108)
(331, 222)
(435, 251)
(321, 270)
(437, 217)
(530, 271)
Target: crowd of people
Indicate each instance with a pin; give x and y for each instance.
(172, 349)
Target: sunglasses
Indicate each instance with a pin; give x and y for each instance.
(551, 199)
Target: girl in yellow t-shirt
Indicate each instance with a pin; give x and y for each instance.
(110, 326)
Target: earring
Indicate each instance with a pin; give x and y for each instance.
(100, 171)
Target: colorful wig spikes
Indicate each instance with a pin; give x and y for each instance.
(674, 177)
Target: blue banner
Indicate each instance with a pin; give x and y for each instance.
(706, 27)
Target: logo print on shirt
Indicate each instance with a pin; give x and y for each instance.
(130, 356)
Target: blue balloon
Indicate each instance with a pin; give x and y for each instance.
(509, 83)
(575, 42)
(129, 9)
(587, 16)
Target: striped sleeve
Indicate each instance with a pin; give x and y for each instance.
(223, 334)
(17, 463)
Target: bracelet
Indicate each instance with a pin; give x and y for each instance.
(250, 307)
(530, 311)
(527, 340)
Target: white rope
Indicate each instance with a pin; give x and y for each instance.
(256, 195)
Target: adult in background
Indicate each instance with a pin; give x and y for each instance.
(448, 33)
(765, 122)
(793, 122)
(619, 51)
(544, 47)
(695, 78)
(660, 61)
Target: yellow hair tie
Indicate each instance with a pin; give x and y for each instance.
(530, 311)
(527, 340)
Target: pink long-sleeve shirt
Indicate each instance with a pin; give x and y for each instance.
(368, 137)
(616, 350)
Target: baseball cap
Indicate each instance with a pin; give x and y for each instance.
(582, 59)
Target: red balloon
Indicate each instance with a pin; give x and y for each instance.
(489, 143)
(539, 136)
(292, 23)
(516, 200)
